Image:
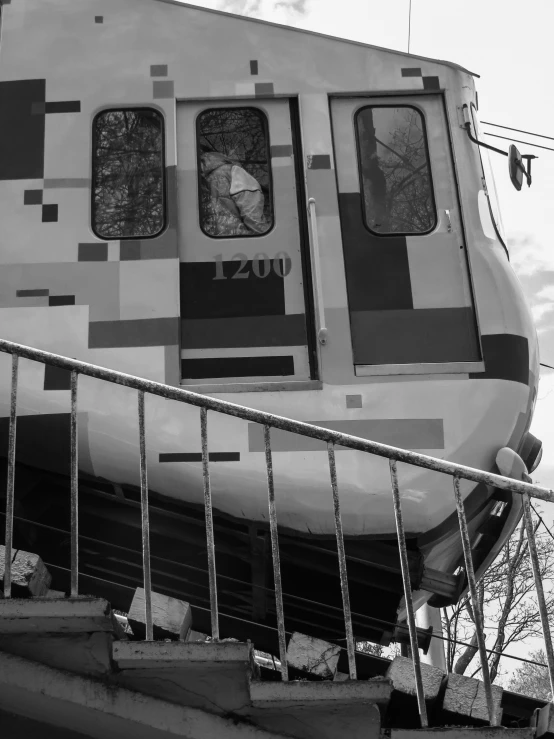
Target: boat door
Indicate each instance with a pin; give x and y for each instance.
(409, 292)
(243, 308)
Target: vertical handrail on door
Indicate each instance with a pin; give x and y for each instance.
(321, 328)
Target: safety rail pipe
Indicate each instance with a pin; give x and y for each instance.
(279, 422)
(321, 328)
(10, 489)
(268, 421)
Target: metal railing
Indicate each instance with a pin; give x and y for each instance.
(270, 421)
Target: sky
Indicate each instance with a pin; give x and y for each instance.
(512, 54)
(510, 46)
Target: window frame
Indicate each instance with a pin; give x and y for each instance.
(360, 176)
(265, 122)
(476, 124)
(132, 109)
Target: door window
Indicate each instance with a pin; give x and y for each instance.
(128, 174)
(234, 173)
(394, 169)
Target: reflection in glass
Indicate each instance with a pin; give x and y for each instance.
(395, 172)
(128, 174)
(235, 183)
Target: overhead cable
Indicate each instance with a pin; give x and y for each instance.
(519, 130)
(518, 141)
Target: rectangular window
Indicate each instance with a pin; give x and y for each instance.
(128, 174)
(235, 196)
(394, 168)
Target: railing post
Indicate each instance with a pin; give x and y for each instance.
(275, 556)
(405, 567)
(540, 590)
(74, 450)
(145, 521)
(477, 615)
(10, 488)
(350, 646)
(210, 542)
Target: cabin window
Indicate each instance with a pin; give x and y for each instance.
(395, 174)
(128, 174)
(235, 193)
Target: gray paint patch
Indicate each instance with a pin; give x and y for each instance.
(281, 150)
(353, 401)
(319, 161)
(163, 90)
(264, 88)
(129, 251)
(408, 433)
(66, 182)
(244, 331)
(95, 252)
(414, 336)
(158, 70)
(32, 293)
(139, 332)
(411, 72)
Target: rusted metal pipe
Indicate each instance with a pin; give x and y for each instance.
(408, 594)
(275, 556)
(287, 424)
(74, 451)
(477, 614)
(543, 610)
(350, 645)
(145, 521)
(210, 541)
(10, 488)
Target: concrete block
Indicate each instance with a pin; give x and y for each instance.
(172, 618)
(403, 709)
(29, 574)
(340, 677)
(313, 655)
(545, 722)
(465, 701)
(401, 675)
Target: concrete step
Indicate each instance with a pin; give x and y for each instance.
(97, 709)
(74, 634)
(213, 676)
(320, 710)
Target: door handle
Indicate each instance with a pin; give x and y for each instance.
(448, 221)
(322, 330)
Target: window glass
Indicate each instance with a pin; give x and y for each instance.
(234, 171)
(127, 174)
(394, 170)
(490, 184)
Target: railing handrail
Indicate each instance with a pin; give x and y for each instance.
(280, 422)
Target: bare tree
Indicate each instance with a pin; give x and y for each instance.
(507, 600)
(532, 680)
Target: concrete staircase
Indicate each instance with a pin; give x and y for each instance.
(68, 670)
